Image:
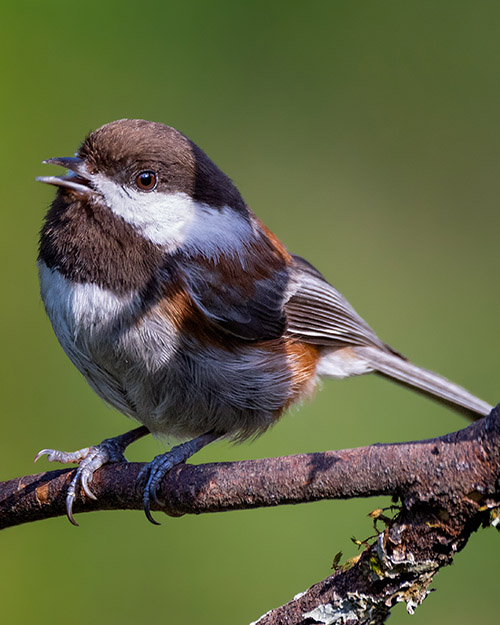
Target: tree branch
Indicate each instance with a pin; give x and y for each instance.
(446, 487)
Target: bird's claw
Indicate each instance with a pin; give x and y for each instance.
(149, 479)
(111, 450)
(152, 474)
(90, 459)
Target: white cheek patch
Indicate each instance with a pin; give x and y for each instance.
(175, 220)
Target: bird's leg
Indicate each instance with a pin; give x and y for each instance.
(151, 475)
(90, 459)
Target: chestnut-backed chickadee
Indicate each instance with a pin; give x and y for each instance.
(182, 310)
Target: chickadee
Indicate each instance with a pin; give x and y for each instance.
(183, 311)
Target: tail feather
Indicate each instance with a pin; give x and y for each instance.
(428, 383)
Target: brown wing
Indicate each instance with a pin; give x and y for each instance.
(254, 312)
(242, 294)
(265, 300)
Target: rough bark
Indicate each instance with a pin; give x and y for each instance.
(446, 488)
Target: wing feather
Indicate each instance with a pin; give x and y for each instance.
(316, 312)
(268, 300)
(243, 296)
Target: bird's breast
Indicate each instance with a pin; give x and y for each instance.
(99, 332)
(171, 369)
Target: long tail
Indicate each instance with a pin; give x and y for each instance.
(428, 383)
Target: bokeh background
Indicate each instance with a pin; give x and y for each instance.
(367, 136)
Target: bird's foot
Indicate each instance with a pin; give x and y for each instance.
(90, 459)
(152, 474)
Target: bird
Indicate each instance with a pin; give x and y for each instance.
(184, 311)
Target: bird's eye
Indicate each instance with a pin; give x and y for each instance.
(146, 180)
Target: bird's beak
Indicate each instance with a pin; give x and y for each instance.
(78, 180)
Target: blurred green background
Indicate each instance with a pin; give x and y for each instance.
(367, 136)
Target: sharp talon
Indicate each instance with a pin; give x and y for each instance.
(71, 518)
(150, 518)
(143, 482)
(155, 497)
(69, 509)
(147, 511)
(41, 453)
(85, 479)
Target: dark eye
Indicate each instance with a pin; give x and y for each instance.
(146, 180)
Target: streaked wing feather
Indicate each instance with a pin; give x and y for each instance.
(318, 313)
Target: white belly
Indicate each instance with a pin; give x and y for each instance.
(89, 323)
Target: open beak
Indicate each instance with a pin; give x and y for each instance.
(78, 180)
